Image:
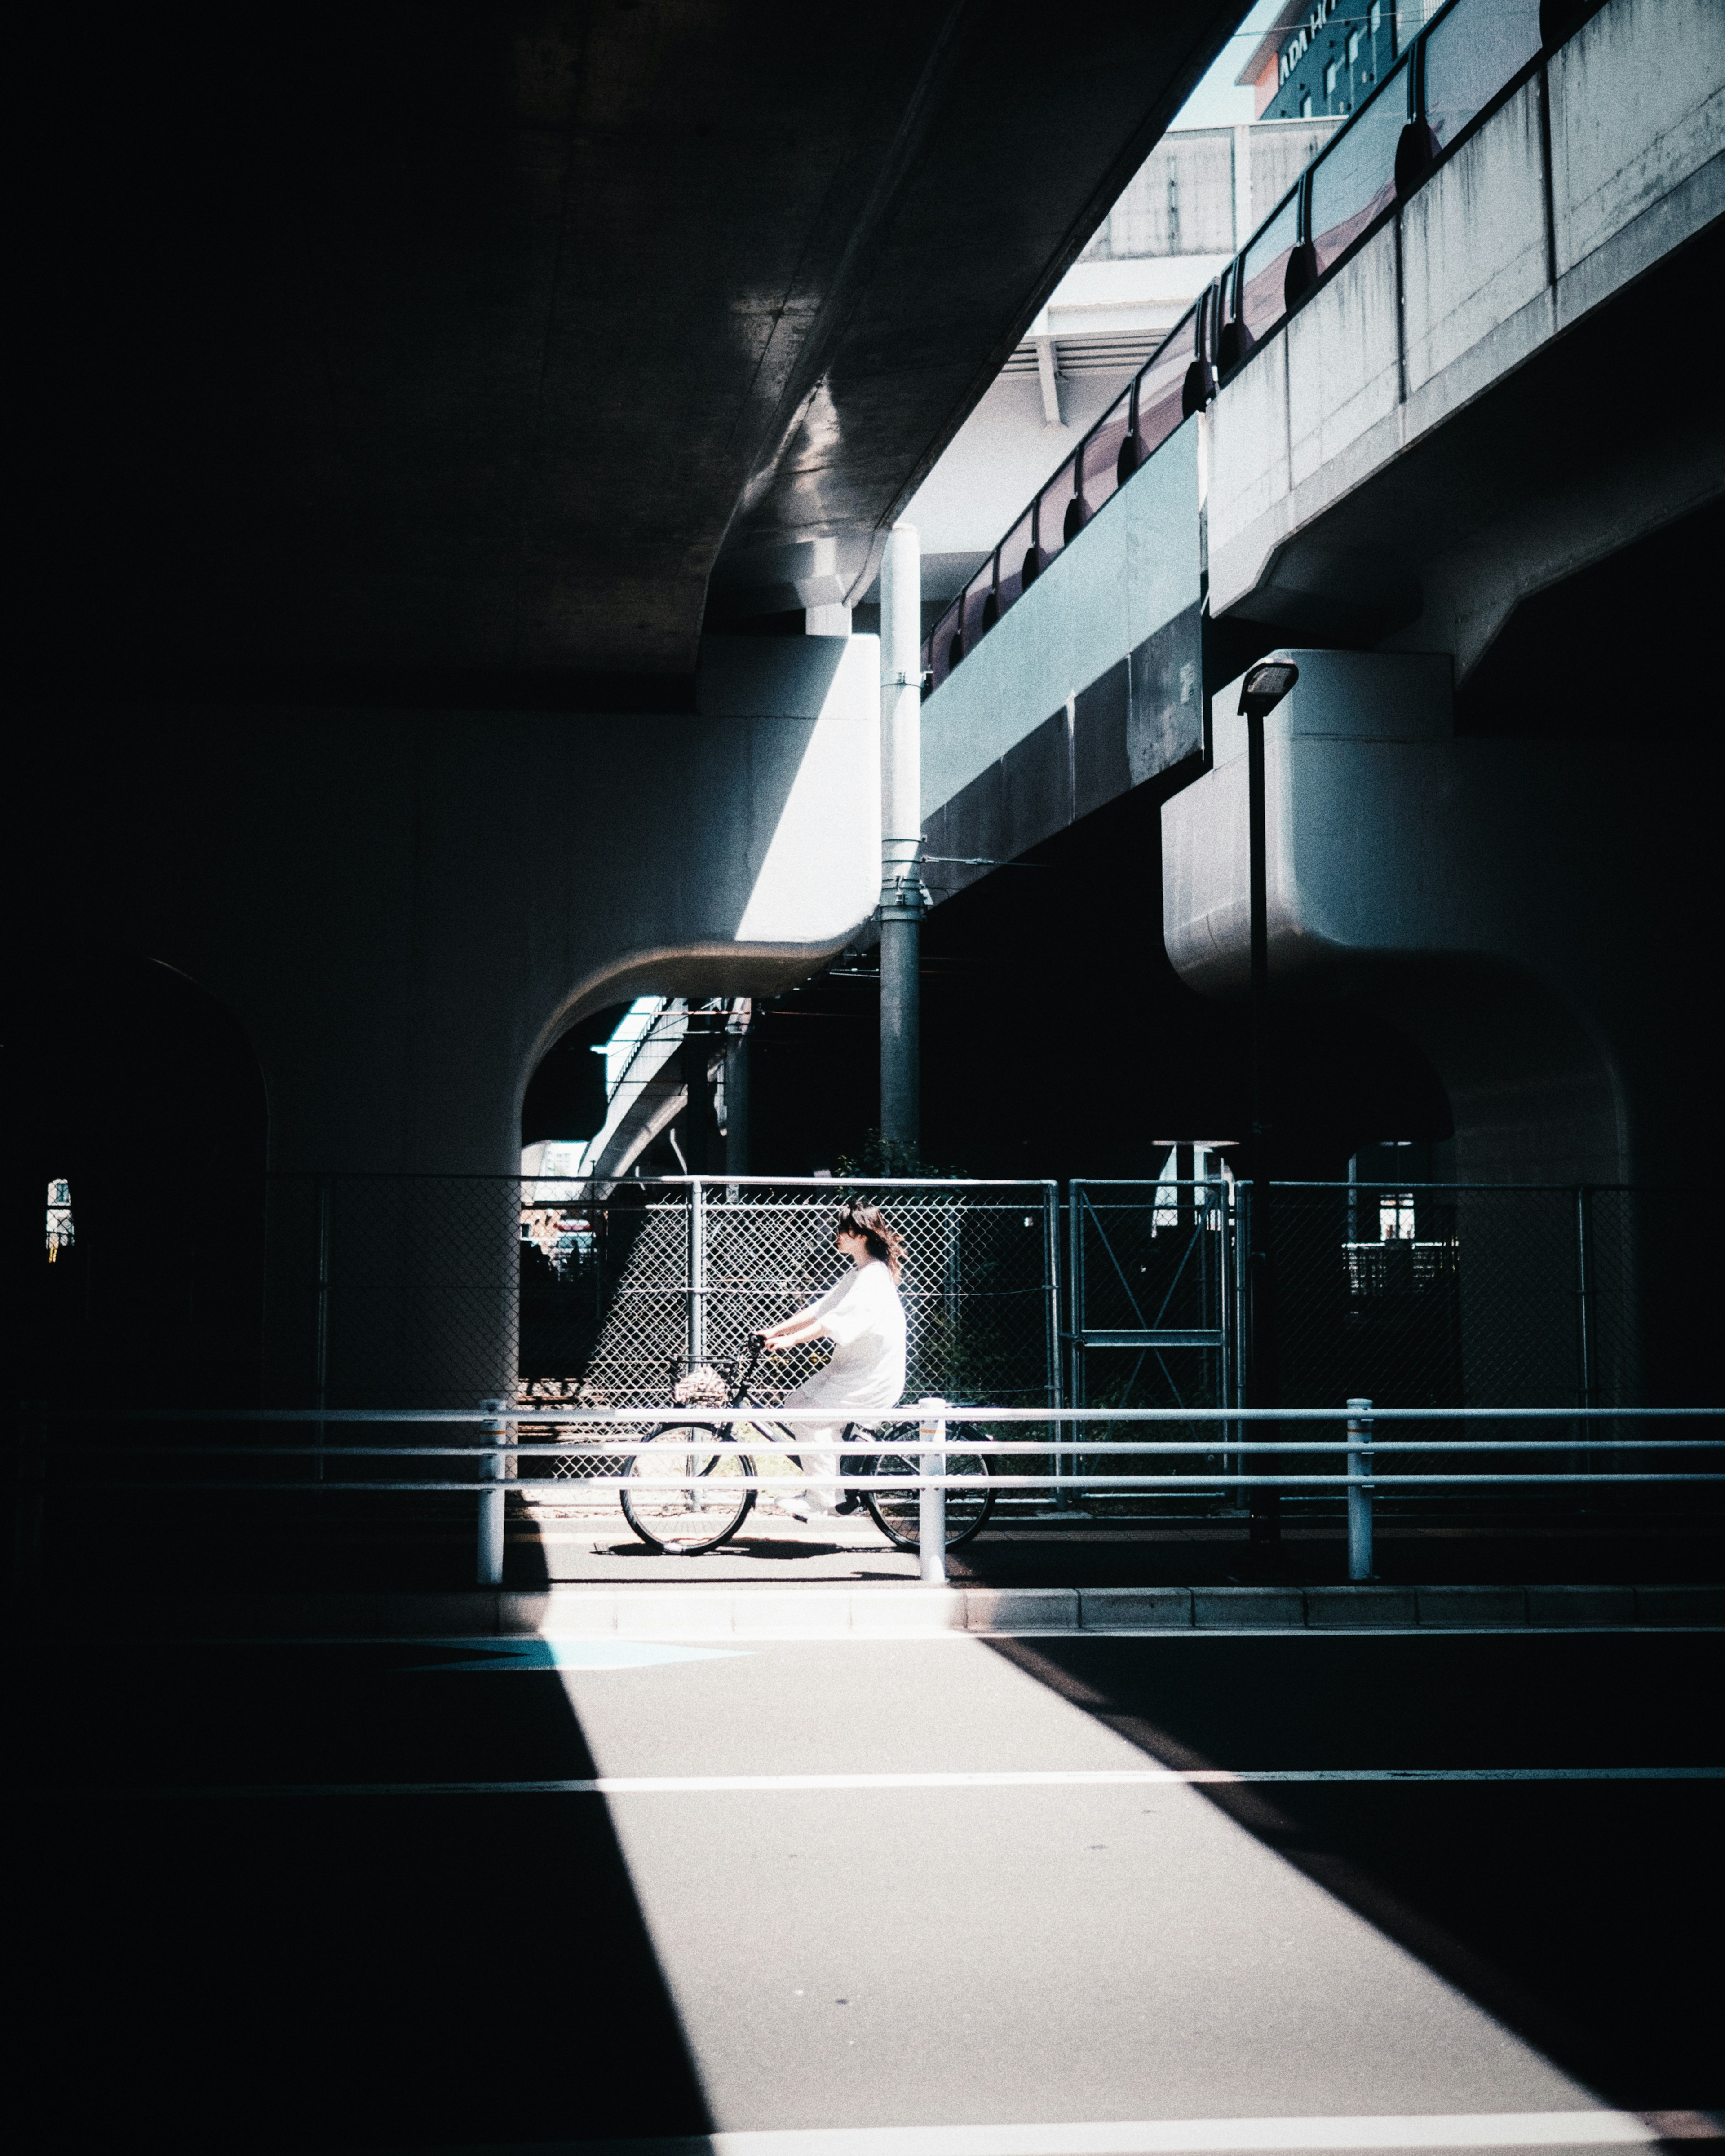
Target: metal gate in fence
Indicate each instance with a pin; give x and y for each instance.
(1153, 1298)
(1450, 1295)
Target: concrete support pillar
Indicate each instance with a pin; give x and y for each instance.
(901, 897)
(352, 895)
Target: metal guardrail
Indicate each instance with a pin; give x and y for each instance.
(1360, 1449)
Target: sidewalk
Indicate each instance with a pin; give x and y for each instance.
(881, 1610)
(1064, 1551)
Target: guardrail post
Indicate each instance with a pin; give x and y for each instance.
(931, 1503)
(494, 1432)
(1359, 1493)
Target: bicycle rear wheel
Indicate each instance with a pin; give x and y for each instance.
(896, 1510)
(686, 1521)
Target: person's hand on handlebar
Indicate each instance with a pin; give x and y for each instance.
(789, 1332)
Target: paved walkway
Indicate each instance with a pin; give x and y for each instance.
(1066, 1898)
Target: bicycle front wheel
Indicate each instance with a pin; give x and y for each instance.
(896, 1510)
(690, 1490)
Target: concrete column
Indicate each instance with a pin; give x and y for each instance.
(901, 900)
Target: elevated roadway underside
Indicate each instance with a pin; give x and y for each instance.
(439, 353)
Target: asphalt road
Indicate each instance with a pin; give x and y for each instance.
(219, 1959)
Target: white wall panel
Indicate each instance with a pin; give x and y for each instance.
(1343, 371)
(1473, 240)
(1638, 103)
(1249, 447)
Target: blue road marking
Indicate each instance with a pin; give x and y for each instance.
(501, 1656)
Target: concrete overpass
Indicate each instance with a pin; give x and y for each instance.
(1429, 425)
(446, 355)
(407, 395)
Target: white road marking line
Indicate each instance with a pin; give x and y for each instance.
(893, 1637)
(1189, 2137)
(674, 1785)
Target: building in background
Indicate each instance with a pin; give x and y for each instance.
(1322, 58)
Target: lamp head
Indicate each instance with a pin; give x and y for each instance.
(1264, 686)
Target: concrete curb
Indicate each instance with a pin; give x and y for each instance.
(815, 1612)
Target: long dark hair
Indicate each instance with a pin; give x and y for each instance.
(869, 1222)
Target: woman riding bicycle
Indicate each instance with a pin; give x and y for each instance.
(865, 1320)
(692, 1483)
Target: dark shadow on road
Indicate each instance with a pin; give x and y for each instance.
(1454, 1552)
(1585, 1917)
(266, 1972)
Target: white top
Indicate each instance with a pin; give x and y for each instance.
(865, 1321)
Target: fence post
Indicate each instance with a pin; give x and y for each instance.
(494, 1431)
(30, 1472)
(931, 1503)
(1359, 1493)
(697, 1273)
(1056, 1360)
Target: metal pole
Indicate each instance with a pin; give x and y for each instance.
(931, 1503)
(493, 1496)
(1057, 1392)
(1235, 1235)
(697, 1273)
(1259, 873)
(902, 896)
(1215, 1246)
(1265, 1506)
(737, 1046)
(1359, 1494)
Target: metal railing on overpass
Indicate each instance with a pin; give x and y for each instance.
(1446, 83)
(1259, 1448)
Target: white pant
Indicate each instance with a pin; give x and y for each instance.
(818, 1450)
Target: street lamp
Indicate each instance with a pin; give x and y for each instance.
(1260, 691)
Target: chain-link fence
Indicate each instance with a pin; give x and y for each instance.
(404, 1292)
(441, 1292)
(1429, 1295)
(1455, 1295)
(659, 1277)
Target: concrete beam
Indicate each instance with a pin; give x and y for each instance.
(1415, 409)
